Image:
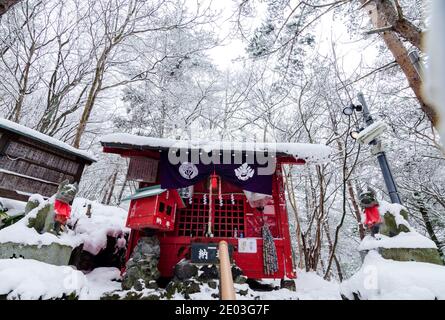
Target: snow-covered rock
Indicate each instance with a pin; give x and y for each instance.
(91, 232)
(411, 239)
(379, 278)
(398, 240)
(105, 221)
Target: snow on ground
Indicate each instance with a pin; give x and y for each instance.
(33, 280)
(92, 232)
(377, 279)
(309, 286)
(99, 282)
(383, 279)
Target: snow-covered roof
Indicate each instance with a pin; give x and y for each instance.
(43, 138)
(311, 153)
(146, 192)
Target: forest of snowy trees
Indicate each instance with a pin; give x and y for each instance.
(79, 69)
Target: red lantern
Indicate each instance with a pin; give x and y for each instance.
(214, 182)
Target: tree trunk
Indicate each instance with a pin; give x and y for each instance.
(5, 5)
(357, 210)
(113, 184)
(337, 263)
(96, 87)
(17, 112)
(428, 225)
(121, 193)
(394, 17)
(381, 17)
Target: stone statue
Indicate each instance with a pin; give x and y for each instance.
(53, 217)
(62, 205)
(369, 203)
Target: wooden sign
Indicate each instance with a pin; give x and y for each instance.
(31, 162)
(207, 253)
(143, 169)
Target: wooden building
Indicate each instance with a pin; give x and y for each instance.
(34, 163)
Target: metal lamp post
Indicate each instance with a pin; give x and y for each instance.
(378, 151)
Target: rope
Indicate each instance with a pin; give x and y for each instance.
(270, 260)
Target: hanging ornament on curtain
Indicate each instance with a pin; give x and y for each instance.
(232, 199)
(221, 203)
(204, 199)
(213, 185)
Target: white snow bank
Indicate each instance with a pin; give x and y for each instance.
(309, 286)
(92, 232)
(99, 282)
(105, 221)
(310, 152)
(403, 240)
(22, 130)
(383, 279)
(33, 280)
(14, 207)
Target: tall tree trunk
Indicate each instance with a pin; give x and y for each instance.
(337, 263)
(95, 88)
(380, 17)
(428, 225)
(357, 210)
(291, 193)
(113, 184)
(5, 5)
(121, 193)
(23, 87)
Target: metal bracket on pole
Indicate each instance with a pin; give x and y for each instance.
(377, 149)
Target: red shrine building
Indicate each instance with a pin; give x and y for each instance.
(194, 194)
